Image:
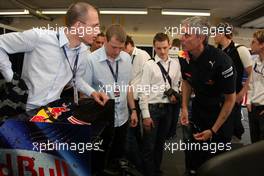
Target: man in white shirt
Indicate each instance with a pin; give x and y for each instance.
(175, 48)
(138, 58)
(52, 58)
(156, 103)
(243, 63)
(255, 101)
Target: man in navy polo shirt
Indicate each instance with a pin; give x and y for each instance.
(211, 75)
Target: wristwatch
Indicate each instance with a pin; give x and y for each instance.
(133, 109)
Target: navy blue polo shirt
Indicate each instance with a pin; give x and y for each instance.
(211, 75)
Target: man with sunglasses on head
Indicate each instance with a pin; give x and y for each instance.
(211, 75)
(243, 63)
(54, 58)
(255, 101)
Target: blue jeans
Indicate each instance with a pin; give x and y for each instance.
(154, 139)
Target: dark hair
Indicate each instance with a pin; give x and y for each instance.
(118, 31)
(176, 42)
(77, 11)
(226, 26)
(129, 40)
(160, 37)
(101, 34)
(259, 35)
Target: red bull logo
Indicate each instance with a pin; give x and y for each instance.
(49, 114)
(14, 163)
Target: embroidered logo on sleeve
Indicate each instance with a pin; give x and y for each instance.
(227, 73)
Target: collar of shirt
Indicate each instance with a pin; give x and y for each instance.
(259, 62)
(64, 41)
(229, 47)
(104, 57)
(135, 52)
(204, 55)
(158, 59)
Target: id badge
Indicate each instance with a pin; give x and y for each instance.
(117, 95)
(75, 94)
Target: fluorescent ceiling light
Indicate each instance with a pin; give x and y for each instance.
(185, 12)
(257, 23)
(129, 11)
(54, 11)
(15, 12)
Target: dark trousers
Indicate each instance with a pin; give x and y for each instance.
(174, 120)
(236, 117)
(204, 118)
(134, 142)
(117, 149)
(256, 123)
(154, 139)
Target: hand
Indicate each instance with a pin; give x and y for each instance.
(133, 119)
(203, 136)
(184, 117)
(249, 107)
(100, 97)
(173, 99)
(148, 123)
(239, 97)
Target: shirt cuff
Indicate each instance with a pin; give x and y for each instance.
(248, 100)
(145, 113)
(8, 75)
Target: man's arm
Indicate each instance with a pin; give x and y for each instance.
(143, 97)
(186, 93)
(223, 115)
(132, 106)
(84, 77)
(249, 93)
(246, 60)
(15, 42)
(225, 111)
(245, 88)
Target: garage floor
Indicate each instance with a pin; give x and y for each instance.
(173, 164)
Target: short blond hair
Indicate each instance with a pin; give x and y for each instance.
(259, 35)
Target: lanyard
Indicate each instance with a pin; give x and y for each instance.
(74, 70)
(133, 57)
(165, 74)
(115, 75)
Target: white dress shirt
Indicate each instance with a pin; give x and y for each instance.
(139, 58)
(173, 52)
(45, 69)
(256, 84)
(154, 85)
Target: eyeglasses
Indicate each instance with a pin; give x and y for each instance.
(258, 71)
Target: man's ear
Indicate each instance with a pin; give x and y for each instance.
(262, 46)
(202, 38)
